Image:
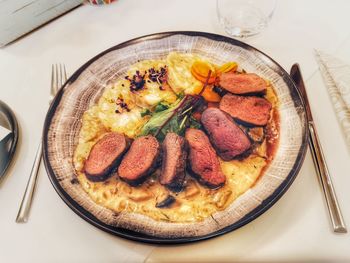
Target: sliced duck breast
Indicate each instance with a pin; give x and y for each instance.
(173, 162)
(225, 135)
(140, 161)
(251, 110)
(247, 83)
(105, 155)
(204, 163)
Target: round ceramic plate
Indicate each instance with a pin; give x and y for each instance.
(8, 145)
(84, 88)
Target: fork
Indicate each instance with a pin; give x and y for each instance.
(58, 78)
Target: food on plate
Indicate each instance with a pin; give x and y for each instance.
(168, 201)
(147, 85)
(180, 77)
(226, 137)
(200, 70)
(140, 161)
(247, 83)
(227, 67)
(210, 95)
(195, 145)
(256, 134)
(105, 155)
(247, 109)
(203, 160)
(174, 162)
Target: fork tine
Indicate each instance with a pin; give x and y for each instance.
(57, 83)
(65, 72)
(61, 78)
(58, 77)
(52, 79)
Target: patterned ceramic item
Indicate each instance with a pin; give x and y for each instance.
(85, 86)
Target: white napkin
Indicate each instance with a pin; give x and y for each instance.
(336, 75)
(3, 133)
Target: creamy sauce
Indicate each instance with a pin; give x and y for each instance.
(195, 202)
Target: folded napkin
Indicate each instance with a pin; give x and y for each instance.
(336, 75)
(3, 133)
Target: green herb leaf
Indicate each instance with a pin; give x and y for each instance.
(180, 95)
(161, 106)
(157, 120)
(174, 119)
(145, 112)
(193, 123)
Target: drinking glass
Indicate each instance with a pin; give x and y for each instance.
(243, 18)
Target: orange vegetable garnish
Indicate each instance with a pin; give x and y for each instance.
(227, 67)
(210, 95)
(203, 79)
(200, 71)
(197, 89)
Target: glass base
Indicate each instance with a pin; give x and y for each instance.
(242, 32)
(245, 22)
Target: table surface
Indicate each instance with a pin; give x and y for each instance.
(296, 228)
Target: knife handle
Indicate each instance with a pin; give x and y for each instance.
(22, 216)
(326, 181)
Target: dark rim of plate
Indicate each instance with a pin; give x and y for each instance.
(125, 233)
(13, 125)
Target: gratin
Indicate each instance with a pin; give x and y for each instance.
(120, 109)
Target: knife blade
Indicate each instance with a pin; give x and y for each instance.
(319, 159)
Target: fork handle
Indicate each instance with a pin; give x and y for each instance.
(326, 181)
(22, 216)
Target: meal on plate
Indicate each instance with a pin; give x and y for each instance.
(177, 139)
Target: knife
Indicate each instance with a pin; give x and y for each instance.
(319, 159)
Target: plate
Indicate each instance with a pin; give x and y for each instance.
(85, 86)
(8, 148)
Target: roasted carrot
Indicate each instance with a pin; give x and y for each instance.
(210, 95)
(200, 70)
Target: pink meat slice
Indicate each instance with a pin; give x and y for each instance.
(247, 109)
(225, 135)
(105, 155)
(242, 83)
(203, 160)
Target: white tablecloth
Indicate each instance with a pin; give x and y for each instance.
(295, 228)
